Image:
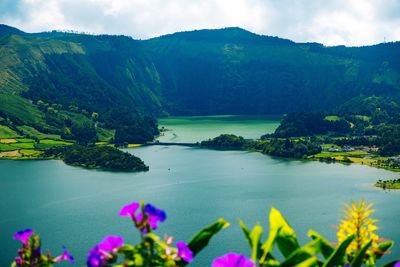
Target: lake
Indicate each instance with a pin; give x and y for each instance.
(78, 207)
(199, 128)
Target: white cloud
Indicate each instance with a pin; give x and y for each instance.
(355, 22)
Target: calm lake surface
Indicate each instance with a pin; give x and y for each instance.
(77, 207)
(199, 128)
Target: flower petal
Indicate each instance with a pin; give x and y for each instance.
(66, 256)
(232, 260)
(184, 251)
(129, 209)
(111, 243)
(23, 236)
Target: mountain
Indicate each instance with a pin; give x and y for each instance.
(233, 71)
(5, 29)
(59, 73)
(93, 72)
(225, 71)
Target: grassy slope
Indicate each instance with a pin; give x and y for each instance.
(6, 132)
(20, 109)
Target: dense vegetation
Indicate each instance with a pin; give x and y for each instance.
(233, 71)
(308, 124)
(225, 141)
(99, 157)
(289, 148)
(371, 122)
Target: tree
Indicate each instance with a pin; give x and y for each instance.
(83, 133)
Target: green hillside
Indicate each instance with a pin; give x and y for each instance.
(53, 81)
(233, 71)
(57, 84)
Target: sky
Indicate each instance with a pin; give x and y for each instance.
(331, 22)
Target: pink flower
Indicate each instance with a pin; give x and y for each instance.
(129, 210)
(23, 236)
(66, 256)
(232, 260)
(111, 243)
(184, 251)
(102, 252)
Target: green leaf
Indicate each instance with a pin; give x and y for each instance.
(281, 233)
(358, 259)
(326, 248)
(246, 232)
(286, 237)
(255, 237)
(336, 258)
(304, 254)
(382, 248)
(201, 239)
(371, 259)
(269, 243)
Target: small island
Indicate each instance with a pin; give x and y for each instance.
(388, 184)
(225, 141)
(98, 157)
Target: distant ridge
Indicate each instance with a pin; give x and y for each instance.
(201, 72)
(231, 33)
(5, 29)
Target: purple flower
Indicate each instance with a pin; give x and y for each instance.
(397, 264)
(111, 243)
(184, 251)
(66, 256)
(95, 258)
(129, 210)
(23, 236)
(154, 215)
(102, 252)
(18, 261)
(150, 216)
(232, 260)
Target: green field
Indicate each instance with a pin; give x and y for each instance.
(332, 118)
(23, 145)
(48, 143)
(32, 132)
(21, 109)
(30, 153)
(25, 140)
(55, 142)
(6, 132)
(355, 154)
(6, 147)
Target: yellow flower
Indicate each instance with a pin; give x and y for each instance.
(356, 221)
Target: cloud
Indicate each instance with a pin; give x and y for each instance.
(336, 22)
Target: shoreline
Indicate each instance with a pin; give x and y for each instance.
(338, 157)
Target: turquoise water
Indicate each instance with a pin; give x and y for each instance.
(78, 207)
(199, 128)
